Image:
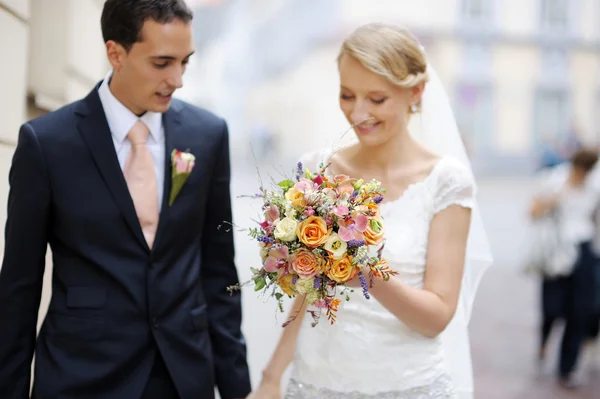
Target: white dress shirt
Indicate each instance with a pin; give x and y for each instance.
(121, 120)
(576, 206)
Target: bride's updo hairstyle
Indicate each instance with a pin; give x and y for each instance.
(390, 51)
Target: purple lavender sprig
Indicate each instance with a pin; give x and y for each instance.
(266, 240)
(300, 171)
(356, 243)
(317, 283)
(364, 285)
(378, 199)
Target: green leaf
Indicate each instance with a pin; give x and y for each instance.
(177, 182)
(375, 225)
(254, 271)
(278, 295)
(286, 184)
(260, 283)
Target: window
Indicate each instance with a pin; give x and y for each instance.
(474, 115)
(555, 15)
(551, 114)
(555, 65)
(477, 11)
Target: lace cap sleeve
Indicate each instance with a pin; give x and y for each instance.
(455, 185)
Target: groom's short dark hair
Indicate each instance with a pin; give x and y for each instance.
(122, 20)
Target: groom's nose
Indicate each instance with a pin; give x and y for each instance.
(176, 78)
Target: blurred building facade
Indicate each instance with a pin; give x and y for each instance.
(519, 73)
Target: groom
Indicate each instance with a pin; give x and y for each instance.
(139, 304)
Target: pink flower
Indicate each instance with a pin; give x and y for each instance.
(306, 186)
(344, 184)
(321, 303)
(352, 229)
(272, 213)
(340, 211)
(277, 259)
(309, 211)
(318, 180)
(183, 161)
(181, 166)
(267, 226)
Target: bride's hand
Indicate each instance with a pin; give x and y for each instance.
(266, 390)
(355, 282)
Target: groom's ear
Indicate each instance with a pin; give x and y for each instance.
(116, 54)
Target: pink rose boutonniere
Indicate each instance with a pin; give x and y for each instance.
(182, 163)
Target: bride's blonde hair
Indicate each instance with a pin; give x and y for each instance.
(390, 51)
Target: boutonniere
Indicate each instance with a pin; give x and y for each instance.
(182, 163)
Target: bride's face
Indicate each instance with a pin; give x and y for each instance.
(364, 94)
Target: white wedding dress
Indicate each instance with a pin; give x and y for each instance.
(368, 352)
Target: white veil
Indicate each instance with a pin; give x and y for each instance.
(436, 129)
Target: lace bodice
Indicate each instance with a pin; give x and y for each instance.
(369, 353)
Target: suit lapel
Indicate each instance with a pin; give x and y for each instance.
(174, 139)
(95, 132)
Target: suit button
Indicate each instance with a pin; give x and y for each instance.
(155, 323)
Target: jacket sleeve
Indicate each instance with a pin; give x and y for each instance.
(21, 276)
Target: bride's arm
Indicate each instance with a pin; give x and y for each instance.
(284, 352)
(429, 310)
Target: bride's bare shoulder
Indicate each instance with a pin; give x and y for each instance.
(340, 161)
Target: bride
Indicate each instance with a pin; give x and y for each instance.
(410, 339)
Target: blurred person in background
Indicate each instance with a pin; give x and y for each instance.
(568, 289)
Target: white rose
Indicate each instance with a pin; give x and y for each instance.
(188, 157)
(286, 229)
(336, 246)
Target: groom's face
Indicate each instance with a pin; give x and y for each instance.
(150, 72)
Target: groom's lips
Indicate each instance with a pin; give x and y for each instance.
(164, 98)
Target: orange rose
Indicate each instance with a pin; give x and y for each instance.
(313, 232)
(374, 232)
(342, 270)
(295, 197)
(306, 263)
(285, 283)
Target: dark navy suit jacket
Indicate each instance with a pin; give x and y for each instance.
(115, 302)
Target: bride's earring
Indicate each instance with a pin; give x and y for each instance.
(413, 108)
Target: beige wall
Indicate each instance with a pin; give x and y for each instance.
(517, 18)
(514, 83)
(426, 14)
(67, 51)
(56, 54)
(14, 43)
(19, 7)
(583, 77)
(588, 14)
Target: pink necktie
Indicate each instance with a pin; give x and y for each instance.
(141, 180)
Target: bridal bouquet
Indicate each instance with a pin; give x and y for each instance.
(317, 234)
